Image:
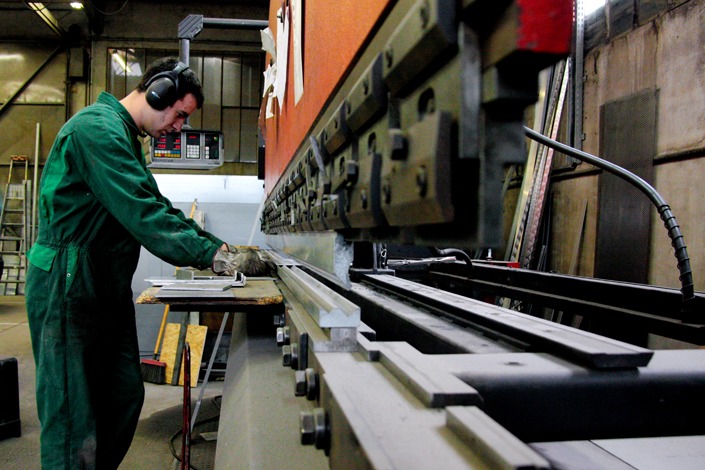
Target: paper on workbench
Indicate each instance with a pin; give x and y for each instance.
(216, 283)
(195, 285)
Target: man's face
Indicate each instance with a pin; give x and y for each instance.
(172, 118)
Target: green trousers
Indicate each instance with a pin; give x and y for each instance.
(89, 384)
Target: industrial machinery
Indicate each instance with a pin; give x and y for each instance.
(417, 363)
(413, 145)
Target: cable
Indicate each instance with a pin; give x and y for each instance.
(460, 254)
(106, 13)
(664, 211)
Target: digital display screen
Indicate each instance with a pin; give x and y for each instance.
(193, 139)
(168, 146)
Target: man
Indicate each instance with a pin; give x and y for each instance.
(98, 203)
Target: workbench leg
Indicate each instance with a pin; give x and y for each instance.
(208, 369)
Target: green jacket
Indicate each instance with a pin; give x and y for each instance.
(99, 202)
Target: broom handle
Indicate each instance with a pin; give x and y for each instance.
(162, 327)
(161, 332)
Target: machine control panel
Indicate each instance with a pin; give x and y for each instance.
(188, 149)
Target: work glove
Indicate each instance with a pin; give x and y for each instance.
(225, 263)
(249, 261)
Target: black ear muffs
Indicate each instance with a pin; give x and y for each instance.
(162, 89)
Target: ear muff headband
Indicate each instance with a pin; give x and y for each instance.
(162, 89)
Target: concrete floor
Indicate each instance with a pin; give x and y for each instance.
(161, 415)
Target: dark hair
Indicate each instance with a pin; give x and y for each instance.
(188, 80)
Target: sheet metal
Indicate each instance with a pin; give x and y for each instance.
(326, 252)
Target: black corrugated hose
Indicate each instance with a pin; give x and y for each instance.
(460, 254)
(664, 211)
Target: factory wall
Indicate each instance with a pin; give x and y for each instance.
(74, 75)
(662, 54)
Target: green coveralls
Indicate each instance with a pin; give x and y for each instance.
(98, 203)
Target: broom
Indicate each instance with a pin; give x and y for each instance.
(153, 370)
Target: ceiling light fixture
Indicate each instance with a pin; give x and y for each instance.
(77, 5)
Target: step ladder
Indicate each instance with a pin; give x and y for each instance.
(14, 232)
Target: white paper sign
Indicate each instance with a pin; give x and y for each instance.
(282, 55)
(298, 11)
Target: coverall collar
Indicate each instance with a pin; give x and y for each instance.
(108, 99)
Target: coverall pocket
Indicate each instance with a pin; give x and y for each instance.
(41, 256)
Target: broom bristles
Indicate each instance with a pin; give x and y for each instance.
(153, 371)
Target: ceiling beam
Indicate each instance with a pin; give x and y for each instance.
(47, 17)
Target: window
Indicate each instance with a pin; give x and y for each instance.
(232, 85)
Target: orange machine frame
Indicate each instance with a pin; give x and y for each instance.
(333, 35)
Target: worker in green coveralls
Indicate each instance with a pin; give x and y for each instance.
(98, 203)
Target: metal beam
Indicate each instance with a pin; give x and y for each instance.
(47, 17)
(579, 346)
(192, 25)
(29, 80)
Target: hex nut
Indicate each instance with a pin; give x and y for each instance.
(294, 364)
(283, 335)
(314, 428)
(286, 356)
(310, 383)
(307, 428)
(300, 388)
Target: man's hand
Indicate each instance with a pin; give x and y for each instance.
(224, 262)
(249, 261)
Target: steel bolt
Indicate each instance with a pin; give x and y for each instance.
(314, 428)
(300, 387)
(294, 356)
(425, 15)
(341, 166)
(398, 144)
(311, 383)
(286, 356)
(422, 180)
(389, 56)
(279, 320)
(351, 176)
(372, 144)
(307, 427)
(387, 191)
(283, 335)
